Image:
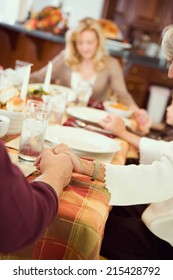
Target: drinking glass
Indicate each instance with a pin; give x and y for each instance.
(83, 95)
(57, 105)
(33, 130)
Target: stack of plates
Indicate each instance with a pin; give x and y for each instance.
(114, 45)
(55, 89)
(16, 120)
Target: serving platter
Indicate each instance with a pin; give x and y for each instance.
(54, 89)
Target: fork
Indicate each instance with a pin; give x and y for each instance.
(79, 123)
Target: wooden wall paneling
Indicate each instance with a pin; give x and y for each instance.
(25, 50)
(26, 47)
(5, 49)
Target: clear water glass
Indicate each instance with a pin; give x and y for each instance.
(57, 106)
(83, 95)
(33, 130)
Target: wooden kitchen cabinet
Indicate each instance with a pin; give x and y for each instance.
(138, 87)
(36, 47)
(144, 15)
(138, 19)
(139, 79)
(152, 14)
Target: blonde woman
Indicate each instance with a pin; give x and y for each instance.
(86, 62)
(140, 225)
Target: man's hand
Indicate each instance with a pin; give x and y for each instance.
(55, 168)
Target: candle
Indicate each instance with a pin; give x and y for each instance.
(47, 80)
(25, 83)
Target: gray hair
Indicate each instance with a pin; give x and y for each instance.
(167, 42)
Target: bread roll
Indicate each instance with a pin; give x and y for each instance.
(15, 104)
(7, 94)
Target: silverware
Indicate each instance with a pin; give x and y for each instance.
(79, 123)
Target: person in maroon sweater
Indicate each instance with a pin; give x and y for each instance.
(26, 209)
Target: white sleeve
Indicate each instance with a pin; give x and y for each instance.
(151, 149)
(137, 184)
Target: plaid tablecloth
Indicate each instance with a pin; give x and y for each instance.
(77, 230)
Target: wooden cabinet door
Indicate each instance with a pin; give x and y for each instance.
(138, 87)
(152, 13)
(146, 15)
(121, 12)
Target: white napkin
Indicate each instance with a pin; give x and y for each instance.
(14, 144)
(26, 168)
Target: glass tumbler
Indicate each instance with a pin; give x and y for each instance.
(33, 130)
(57, 106)
(83, 95)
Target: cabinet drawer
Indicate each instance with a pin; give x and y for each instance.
(138, 87)
(139, 70)
(161, 78)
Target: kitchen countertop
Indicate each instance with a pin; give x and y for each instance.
(130, 58)
(35, 33)
(128, 55)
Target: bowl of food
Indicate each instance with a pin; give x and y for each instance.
(36, 91)
(4, 125)
(117, 108)
(11, 106)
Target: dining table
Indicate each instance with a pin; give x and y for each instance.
(77, 230)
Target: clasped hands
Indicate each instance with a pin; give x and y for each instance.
(63, 157)
(59, 158)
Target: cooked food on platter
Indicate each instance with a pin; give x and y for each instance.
(36, 93)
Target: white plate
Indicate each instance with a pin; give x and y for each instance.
(87, 114)
(117, 111)
(53, 88)
(117, 45)
(92, 115)
(81, 140)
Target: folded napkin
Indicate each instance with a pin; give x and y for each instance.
(26, 168)
(14, 143)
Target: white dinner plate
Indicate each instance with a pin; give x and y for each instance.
(87, 114)
(112, 44)
(81, 140)
(91, 115)
(54, 88)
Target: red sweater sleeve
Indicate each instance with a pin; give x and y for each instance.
(25, 208)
